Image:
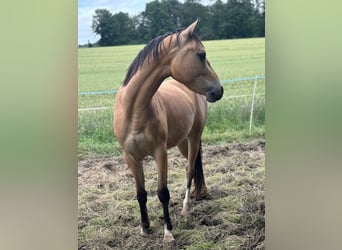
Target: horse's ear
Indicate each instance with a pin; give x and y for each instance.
(190, 29)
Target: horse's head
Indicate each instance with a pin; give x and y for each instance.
(190, 66)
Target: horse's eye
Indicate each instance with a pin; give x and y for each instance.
(201, 56)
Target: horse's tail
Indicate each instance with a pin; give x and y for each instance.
(200, 187)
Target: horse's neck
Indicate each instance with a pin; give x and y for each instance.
(142, 87)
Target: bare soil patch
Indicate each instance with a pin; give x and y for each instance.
(232, 217)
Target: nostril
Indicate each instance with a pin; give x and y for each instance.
(215, 94)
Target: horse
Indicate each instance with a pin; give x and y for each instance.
(152, 115)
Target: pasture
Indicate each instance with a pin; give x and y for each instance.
(232, 217)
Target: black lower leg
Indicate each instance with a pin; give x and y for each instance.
(199, 177)
(142, 199)
(164, 197)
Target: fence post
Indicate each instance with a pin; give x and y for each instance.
(252, 106)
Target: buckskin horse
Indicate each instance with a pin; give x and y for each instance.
(151, 116)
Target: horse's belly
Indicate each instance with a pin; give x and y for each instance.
(177, 132)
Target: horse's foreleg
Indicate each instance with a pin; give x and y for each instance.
(138, 174)
(163, 192)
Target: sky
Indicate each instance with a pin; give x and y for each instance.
(86, 10)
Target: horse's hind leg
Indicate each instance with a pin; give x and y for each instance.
(138, 174)
(183, 148)
(194, 171)
(163, 193)
(190, 173)
(200, 191)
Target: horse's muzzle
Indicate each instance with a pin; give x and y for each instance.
(215, 94)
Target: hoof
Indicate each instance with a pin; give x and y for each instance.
(170, 245)
(168, 235)
(186, 206)
(168, 238)
(143, 231)
(200, 195)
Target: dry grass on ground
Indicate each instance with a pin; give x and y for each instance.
(231, 218)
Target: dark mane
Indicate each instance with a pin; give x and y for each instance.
(150, 51)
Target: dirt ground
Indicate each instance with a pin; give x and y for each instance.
(232, 217)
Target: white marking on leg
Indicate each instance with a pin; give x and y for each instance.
(142, 231)
(167, 235)
(186, 201)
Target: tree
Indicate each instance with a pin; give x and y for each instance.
(192, 10)
(123, 29)
(239, 15)
(157, 18)
(260, 17)
(103, 26)
(232, 19)
(217, 20)
(113, 29)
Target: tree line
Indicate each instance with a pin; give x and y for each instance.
(221, 20)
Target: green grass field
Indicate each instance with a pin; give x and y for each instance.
(103, 69)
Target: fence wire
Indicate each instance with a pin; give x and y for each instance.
(241, 98)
